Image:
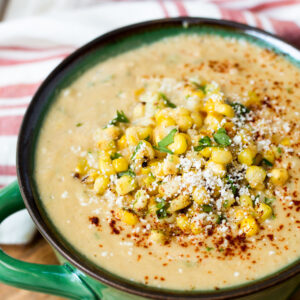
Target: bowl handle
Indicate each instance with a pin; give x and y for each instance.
(62, 280)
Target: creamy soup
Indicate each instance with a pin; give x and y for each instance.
(228, 113)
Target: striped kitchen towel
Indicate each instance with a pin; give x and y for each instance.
(30, 48)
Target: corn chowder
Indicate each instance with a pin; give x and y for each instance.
(177, 164)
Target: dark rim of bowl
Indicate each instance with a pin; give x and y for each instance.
(24, 151)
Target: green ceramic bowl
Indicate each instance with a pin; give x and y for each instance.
(77, 277)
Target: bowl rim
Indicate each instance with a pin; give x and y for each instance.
(26, 187)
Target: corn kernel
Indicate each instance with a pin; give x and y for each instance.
(132, 136)
(197, 119)
(206, 152)
(200, 94)
(145, 133)
(209, 106)
(166, 121)
(170, 165)
(279, 176)
(100, 185)
(157, 236)
(139, 111)
(183, 223)
(81, 167)
(178, 203)
(106, 145)
(285, 142)
(269, 155)
(140, 200)
(122, 143)
(128, 217)
(246, 156)
(263, 211)
(138, 92)
(125, 185)
(249, 226)
(179, 145)
(253, 99)
(161, 114)
(216, 169)
(246, 201)
(144, 149)
(213, 121)
(120, 164)
(255, 176)
(112, 132)
(105, 165)
(184, 122)
(221, 156)
(195, 228)
(240, 213)
(224, 109)
(200, 195)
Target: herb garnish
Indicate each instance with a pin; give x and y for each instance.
(206, 208)
(269, 201)
(79, 124)
(166, 101)
(199, 86)
(232, 185)
(115, 155)
(203, 143)
(209, 248)
(240, 109)
(128, 172)
(167, 140)
(136, 150)
(162, 206)
(267, 162)
(222, 138)
(120, 118)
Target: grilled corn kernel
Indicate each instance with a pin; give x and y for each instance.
(269, 155)
(179, 145)
(184, 122)
(249, 226)
(161, 114)
(206, 152)
(157, 236)
(221, 156)
(285, 142)
(240, 214)
(147, 180)
(200, 94)
(106, 145)
(216, 169)
(195, 228)
(132, 136)
(279, 176)
(263, 211)
(209, 106)
(138, 92)
(100, 185)
(144, 149)
(81, 167)
(139, 111)
(141, 199)
(253, 99)
(91, 177)
(246, 201)
(178, 203)
(197, 119)
(166, 121)
(105, 165)
(224, 109)
(112, 132)
(183, 223)
(122, 142)
(145, 133)
(255, 176)
(170, 165)
(213, 121)
(200, 195)
(246, 156)
(120, 164)
(128, 217)
(125, 185)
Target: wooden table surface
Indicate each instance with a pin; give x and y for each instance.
(38, 251)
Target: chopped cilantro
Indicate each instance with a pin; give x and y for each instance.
(221, 249)
(209, 248)
(166, 101)
(147, 138)
(128, 172)
(269, 201)
(120, 118)
(220, 218)
(240, 109)
(167, 140)
(203, 143)
(225, 203)
(221, 137)
(199, 86)
(279, 150)
(136, 150)
(232, 185)
(206, 208)
(115, 155)
(267, 162)
(162, 206)
(289, 90)
(79, 124)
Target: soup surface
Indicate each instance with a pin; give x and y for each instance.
(180, 71)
